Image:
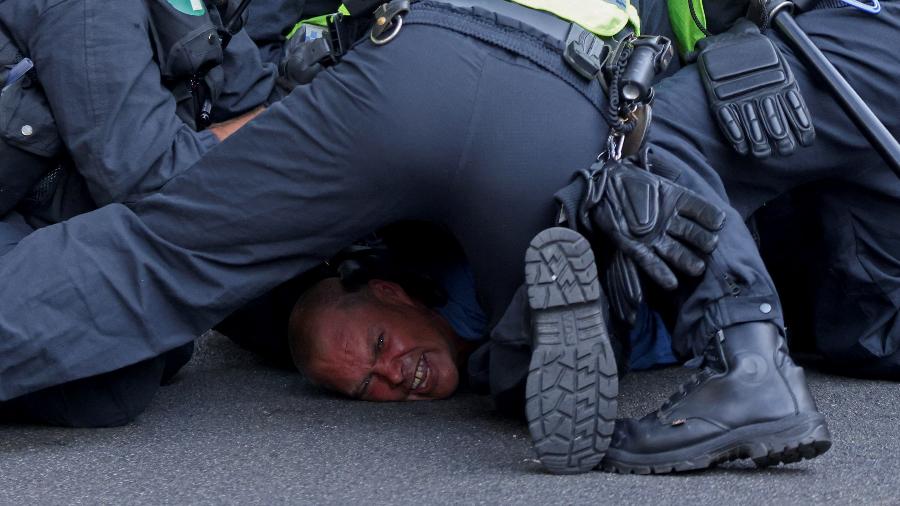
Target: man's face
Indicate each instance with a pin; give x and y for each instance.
(387, 347)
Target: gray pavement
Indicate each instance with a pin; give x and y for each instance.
(232, 431)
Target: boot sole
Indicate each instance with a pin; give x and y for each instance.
(572, 380)
(787, 440)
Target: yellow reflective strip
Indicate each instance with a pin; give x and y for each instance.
(635, 19)
(318, 21)
(602, 17)
(686, 31)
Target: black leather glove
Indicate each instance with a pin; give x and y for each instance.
(655, 223)
(752, 92)
(304, 56)
(623, 287)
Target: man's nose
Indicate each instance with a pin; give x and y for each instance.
(390, 370)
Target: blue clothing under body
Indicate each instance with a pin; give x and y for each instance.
(650, 342)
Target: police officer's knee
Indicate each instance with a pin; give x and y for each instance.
(107, 400)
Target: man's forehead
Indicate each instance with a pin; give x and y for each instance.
(342, 349)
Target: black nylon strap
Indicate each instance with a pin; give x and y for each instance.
(544, 22)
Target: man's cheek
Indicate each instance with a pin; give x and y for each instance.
(381, 392)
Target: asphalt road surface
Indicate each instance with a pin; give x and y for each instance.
(231, 430)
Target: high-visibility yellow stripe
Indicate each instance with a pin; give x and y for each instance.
(687, 33)
(318, 21)
(602, 17)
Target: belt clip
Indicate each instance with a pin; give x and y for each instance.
(388, 21)
(872, 8)
(614, 144)
(585, 52)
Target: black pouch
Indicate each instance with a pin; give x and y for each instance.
(29, 140)
(187, 45)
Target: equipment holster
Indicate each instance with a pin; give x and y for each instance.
(29, 140)
(188, 48)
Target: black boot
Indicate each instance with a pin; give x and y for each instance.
(572, 381)
(749, 401)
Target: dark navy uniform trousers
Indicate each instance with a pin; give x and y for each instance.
(459, 120)
(852, 271)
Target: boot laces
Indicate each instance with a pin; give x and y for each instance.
(712, 365)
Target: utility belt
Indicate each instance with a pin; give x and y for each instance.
(625, 64)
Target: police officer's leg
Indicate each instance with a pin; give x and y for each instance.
(106, 400)
(855, 306)
(332, 162)
(852, 40)
(647, 445)
(856, 310)
(749, 400)
(12, 230)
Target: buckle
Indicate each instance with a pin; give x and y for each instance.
(388, 21)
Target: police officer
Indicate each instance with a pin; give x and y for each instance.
(116, 105)
(850, 246)
(463, 116)
(855, 196)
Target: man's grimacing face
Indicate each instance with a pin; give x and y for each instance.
(386, 347)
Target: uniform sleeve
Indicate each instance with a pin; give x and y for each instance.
(248, 81)
(116, 119)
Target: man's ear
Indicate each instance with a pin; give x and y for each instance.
(390, 292)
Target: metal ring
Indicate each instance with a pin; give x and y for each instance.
(778, 8)
(398, 23)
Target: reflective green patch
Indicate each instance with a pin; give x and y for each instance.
(192, 7)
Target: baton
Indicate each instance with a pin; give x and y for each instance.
(869, 124)
(17, 72)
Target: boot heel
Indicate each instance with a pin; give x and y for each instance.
(809, 439)
(572, 381)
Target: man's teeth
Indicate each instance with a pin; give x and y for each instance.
(420, 373)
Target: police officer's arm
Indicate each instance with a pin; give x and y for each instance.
(226, 128)
(248, 81)
(115, 117)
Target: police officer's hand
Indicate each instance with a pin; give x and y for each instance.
(655, 223)
(303, 57)
(752, 93)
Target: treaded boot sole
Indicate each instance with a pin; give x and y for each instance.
(572, 381)
(787, 440)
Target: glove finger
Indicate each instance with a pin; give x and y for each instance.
(625, 287)
(776, 125)
(615, 291)
(693, 234)
(798, 116)
(654, 266)
(730, 124)
(634, 294)
(759, 145)
(697, 209)
(679, 256)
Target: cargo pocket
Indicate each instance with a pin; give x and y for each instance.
(26, 121)
(878, 254)
(29, 142)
